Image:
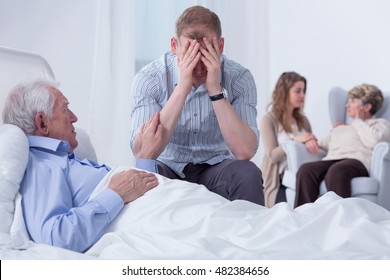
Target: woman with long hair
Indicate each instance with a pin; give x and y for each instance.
(284, 121)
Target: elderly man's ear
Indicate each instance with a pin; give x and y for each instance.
(41, 128)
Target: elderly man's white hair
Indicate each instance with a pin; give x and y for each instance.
(26, 100)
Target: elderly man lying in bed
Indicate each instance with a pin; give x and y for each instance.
(56, 186)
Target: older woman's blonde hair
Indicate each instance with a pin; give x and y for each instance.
(368, 94)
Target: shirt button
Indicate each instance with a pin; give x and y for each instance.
(195, 115)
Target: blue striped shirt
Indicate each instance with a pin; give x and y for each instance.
(197, 137)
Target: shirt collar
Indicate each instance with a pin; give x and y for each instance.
(48, 143)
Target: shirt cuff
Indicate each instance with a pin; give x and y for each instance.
(111, 201)
(146, 164)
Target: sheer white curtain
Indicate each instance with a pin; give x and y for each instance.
(155, 25)
(112, 72)
(89, 45)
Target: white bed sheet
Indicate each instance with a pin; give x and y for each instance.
(180, 220)
(41, 252)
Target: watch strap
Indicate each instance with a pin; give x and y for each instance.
(217, 97)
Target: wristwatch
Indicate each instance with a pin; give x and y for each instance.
(222, 95)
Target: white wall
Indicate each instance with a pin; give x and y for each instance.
(55, 30)
(331, 42)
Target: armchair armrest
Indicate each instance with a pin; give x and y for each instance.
(297, 154)
(380, 170)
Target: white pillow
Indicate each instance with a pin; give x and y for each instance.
(14, 151)
(85, 148)
(13, 161)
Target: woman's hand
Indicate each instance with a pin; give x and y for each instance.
(338, 124)
(303, 138)
(312, 146)
(309, 140)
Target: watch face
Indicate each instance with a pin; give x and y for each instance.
(224, 92)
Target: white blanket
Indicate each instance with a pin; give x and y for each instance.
(180, 220)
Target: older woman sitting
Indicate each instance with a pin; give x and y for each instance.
(349, 147)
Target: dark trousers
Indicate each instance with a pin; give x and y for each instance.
(337, 174)
(232, 179)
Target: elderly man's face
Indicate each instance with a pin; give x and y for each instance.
(60, 126)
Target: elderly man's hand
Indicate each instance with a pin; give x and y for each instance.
(131, 184)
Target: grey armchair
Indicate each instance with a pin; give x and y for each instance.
(375, 188)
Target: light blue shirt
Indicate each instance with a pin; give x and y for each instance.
(55, 191)
(197, 137)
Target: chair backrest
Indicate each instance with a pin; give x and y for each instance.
(17, 66)
(384, 112)
(338, 98)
